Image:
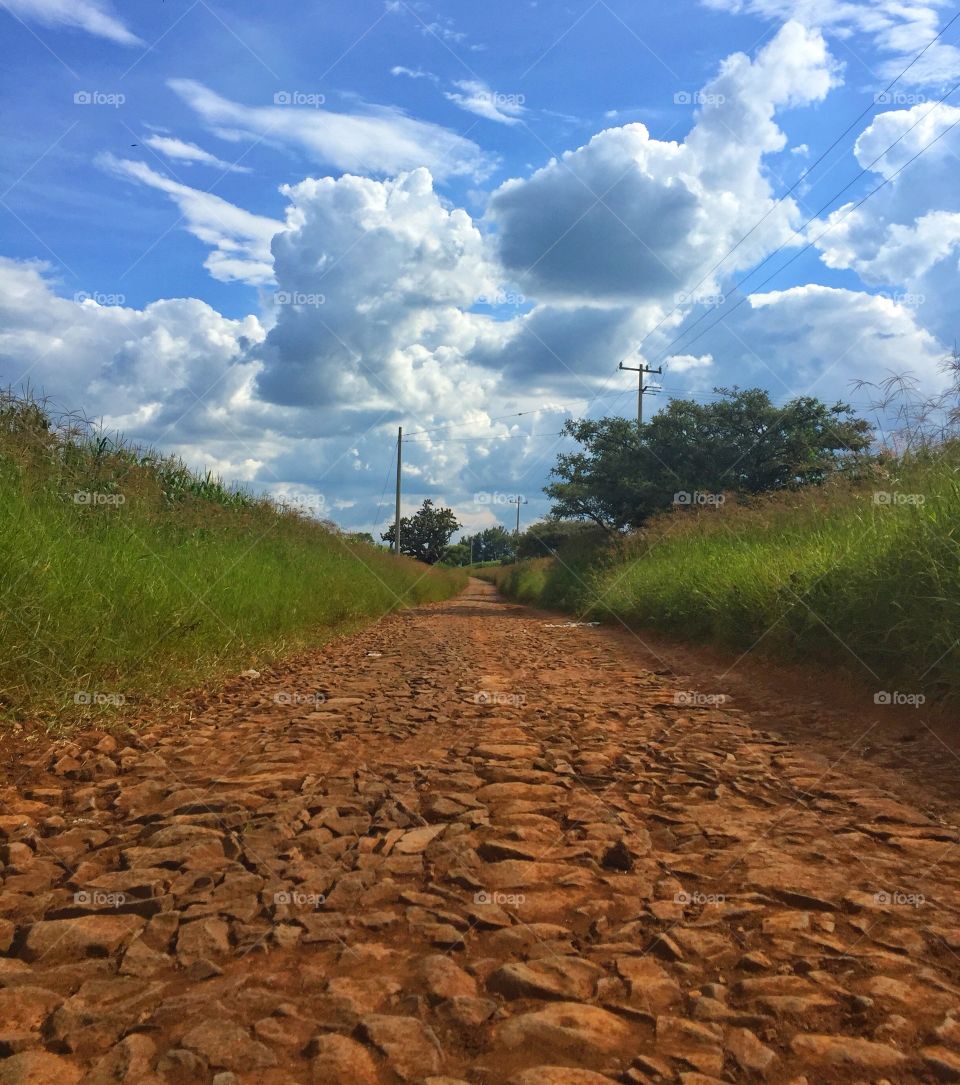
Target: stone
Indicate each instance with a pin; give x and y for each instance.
(445, 979)
(339, 1059)
(565, 978)
(559, 1075)
(568, 1028)
(38, 1068)
(698, 1043)
(201, 939)
(128, 1063)
(24, 1009)
(847, 1051)
(57, 940)
(412, 1051)
(942, 1062)
(226, 1045)
(750, 1054)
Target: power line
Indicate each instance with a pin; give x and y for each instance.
(492, 437)
(803, 176)
(797, 232)
(810, 244)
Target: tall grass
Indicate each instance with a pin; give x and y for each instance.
(867, 579)
(124, 577)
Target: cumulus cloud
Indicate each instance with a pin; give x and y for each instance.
(816, 340)
(379, 140)
(627, 219)
(93, 16)
(240, 239)
(182, 151)
(130, 366)
(375, 277)
(906, 237)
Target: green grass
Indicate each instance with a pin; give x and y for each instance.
(181, 583)
(825, 575)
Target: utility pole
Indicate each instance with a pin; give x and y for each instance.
(641, 387)
(396, 519)
(520, 500)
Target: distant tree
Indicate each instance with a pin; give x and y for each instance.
(457, 553)
(425, 535)
(743, 443)
(546, 537)
(361, 536)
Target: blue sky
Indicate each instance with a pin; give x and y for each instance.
(263, 236)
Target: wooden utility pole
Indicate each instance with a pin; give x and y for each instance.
(641, 387)
(396, 518)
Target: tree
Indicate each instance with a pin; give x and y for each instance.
(546, 537)
(425, 535)
(743, 443)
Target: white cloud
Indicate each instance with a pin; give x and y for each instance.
(907, 235)
(627, 219)
(817, 340)
(379, 140)
(476, 97)
(93, 16)
(894, 27)
(395, 269)
(240, 239)
(182, 151)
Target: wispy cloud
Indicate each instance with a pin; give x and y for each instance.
(182, 151)
(378, 140)
(93, 16)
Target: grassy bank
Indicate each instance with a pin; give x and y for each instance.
(123, 577)
(868, 579)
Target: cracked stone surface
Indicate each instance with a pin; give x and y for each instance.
(471, 844)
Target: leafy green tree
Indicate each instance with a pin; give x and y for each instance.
(743, 443)
(425, 535)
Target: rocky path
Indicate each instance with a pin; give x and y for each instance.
(471, 844)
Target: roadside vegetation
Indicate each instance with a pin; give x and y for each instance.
(851, 559)
(124, 576)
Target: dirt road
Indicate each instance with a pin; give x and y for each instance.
(471, 844)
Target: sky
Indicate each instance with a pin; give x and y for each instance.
(262, 237)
